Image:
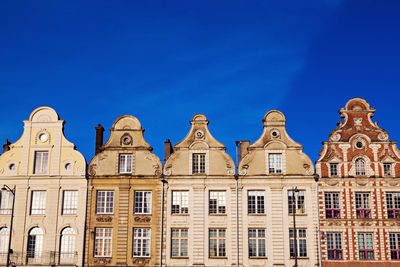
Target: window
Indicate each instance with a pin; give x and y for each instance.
(217, 244)
(105, 202)
(256, 242)
(6, 199)
(198, 163)
(255, 202)
(333, 168)
(41, 162)
(180, 202)
(179, 243)
(103, 242)
(362, 206)
(35, 245)
(394, 239)
(141, 242)
(216, 203)
(67, 245)
(142, 202)
(365, 248)
(360, 167)
(334, 244)
(332, 208)
(387, 170)
(393, 205)
(38, 205)
(125, 163)
(275, 163)
(70, 202)
(300, 209)
(301, 242)
(4, 236)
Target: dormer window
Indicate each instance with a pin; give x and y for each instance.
(41, 165)
(360, 167)
(125, 163)
(333, 169)
(275, 163)
(387, 169)
(198, 163)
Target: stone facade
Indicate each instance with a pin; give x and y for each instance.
(124, 199)
(359, 193)
(50, 195)
(273, 166)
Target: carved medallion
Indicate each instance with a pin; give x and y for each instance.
(104, 219)
(142, 219)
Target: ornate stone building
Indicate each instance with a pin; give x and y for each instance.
(201, 197)
(48, 175)
(273, 172)
(359, 192)
(124, 199)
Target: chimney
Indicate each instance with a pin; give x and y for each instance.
(99, 139)
(243, 146)
(168, 149)
(6, 146)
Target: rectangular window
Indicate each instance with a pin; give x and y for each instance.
(255, 202)
(142, 202)
(70, 202)
(217, 202)
(41, 164)
(365, 248)
(393, 205)
(387, 170)
(180, 202)
(333, 168)
(300, 205)
(6, 199)
(301, 243)
(125, 163)
(103, 242)
(217, 243)
(394, 239)
(198, 163)
(105, 202)
(334, 245)
(38, 205)
(275, 163)
(332, 208)
(256, 242)
(363, 208)
(179, 242)
(141, 242)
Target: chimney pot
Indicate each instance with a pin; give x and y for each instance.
(99, 138)
(168, 149)
(6, 146)
(243, 149)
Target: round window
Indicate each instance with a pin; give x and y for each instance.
(43, 137)
(12, 167)
(68, 166)
(126, 140)
(359, 144)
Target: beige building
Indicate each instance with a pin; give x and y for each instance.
(124, 199)
(270, 170)
(50, 195)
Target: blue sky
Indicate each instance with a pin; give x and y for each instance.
(164, 61)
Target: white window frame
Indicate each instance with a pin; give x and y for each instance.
(220, 241)
(34, 255)
(67, 245)
(4, 237)
(220, 202)
(257, 193)
(207, 160)
(41, 162)
(283, 161)
(103, 239)
(180, 202)
(142, 201)
(70, 202)
(38, 202)
(274, 163)
(141, 242)
(301, 241)
(179, 243)
(300, 205)
(125, 163)
(105, 202)
(6, 199)
(256, 237)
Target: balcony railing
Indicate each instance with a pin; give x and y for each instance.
(44, 258)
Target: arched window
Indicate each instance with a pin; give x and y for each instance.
(35, 245)
(67, 245)
(4, 236)
(360, 167)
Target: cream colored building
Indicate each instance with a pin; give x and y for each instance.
(49, 177)
(269, 170)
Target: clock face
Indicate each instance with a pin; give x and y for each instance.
(43, 137)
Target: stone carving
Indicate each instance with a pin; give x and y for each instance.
(335, 137)
(358, 123)
(393, 182)
(361, 182)
(383, 136)
(101, 261)
(1, 170)
(243, 171)
(140, 262)
(142, 219)
(365, 223)
(92, 169)
(332, 182)
(199, 134)
(230, 172)
(104, 219)
(336, 223)
(309, 170)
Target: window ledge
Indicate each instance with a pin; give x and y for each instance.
(222, 258)
(256, 214)
(180, 214)
(141, 257)
(179, 258)
(300, 258)
(258, 258)
(217, 214)
(298, 214)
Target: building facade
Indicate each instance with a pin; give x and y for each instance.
(276, 179)
(359, 192)
(124, 199)
(200, 197)
(48, 175)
